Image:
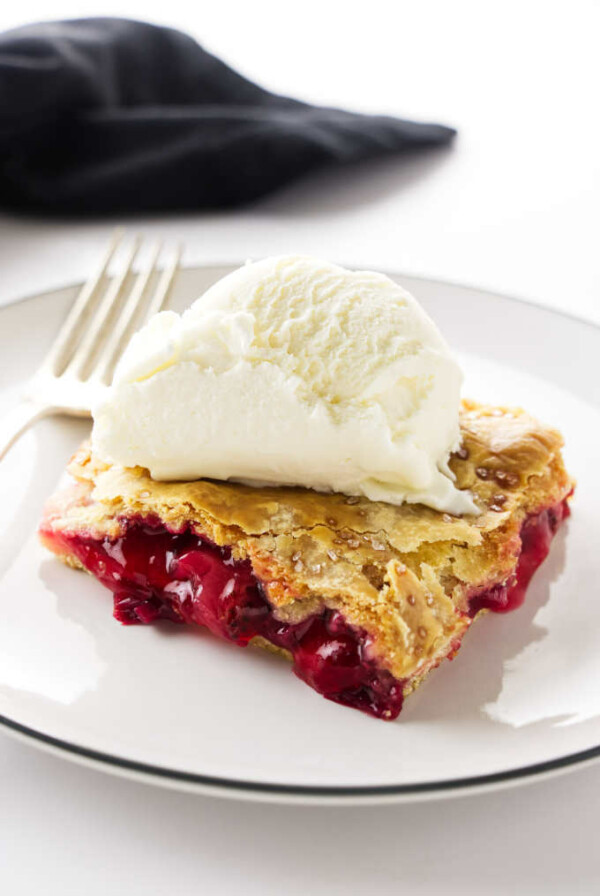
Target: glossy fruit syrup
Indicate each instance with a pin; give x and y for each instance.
(537, 533)
(157, 574)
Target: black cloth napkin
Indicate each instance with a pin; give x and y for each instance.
(109, 115)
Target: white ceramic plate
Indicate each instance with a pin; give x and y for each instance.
(179, 708)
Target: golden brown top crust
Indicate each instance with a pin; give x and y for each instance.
(403, 573)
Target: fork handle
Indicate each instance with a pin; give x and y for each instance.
(18, 419)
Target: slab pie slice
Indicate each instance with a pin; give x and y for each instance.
(364, 598)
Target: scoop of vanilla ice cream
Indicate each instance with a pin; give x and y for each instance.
(292, 371)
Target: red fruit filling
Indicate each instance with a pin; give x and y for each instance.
(537, 533)
(157, 574)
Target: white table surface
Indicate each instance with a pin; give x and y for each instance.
(513, 206)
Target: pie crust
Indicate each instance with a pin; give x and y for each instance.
(408, 578)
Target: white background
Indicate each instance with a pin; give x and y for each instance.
(513, 206)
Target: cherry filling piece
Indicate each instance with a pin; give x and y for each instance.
(157, 574)
(537, 533)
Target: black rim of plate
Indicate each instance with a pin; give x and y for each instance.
(342, 791)
(571, 760)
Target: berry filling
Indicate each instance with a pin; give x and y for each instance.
(158, 574)
(537, 533)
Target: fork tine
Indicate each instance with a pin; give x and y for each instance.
(80, 309)
(109, 354)
(79, 363)
(164, 284)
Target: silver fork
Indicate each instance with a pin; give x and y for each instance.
(83, 356)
